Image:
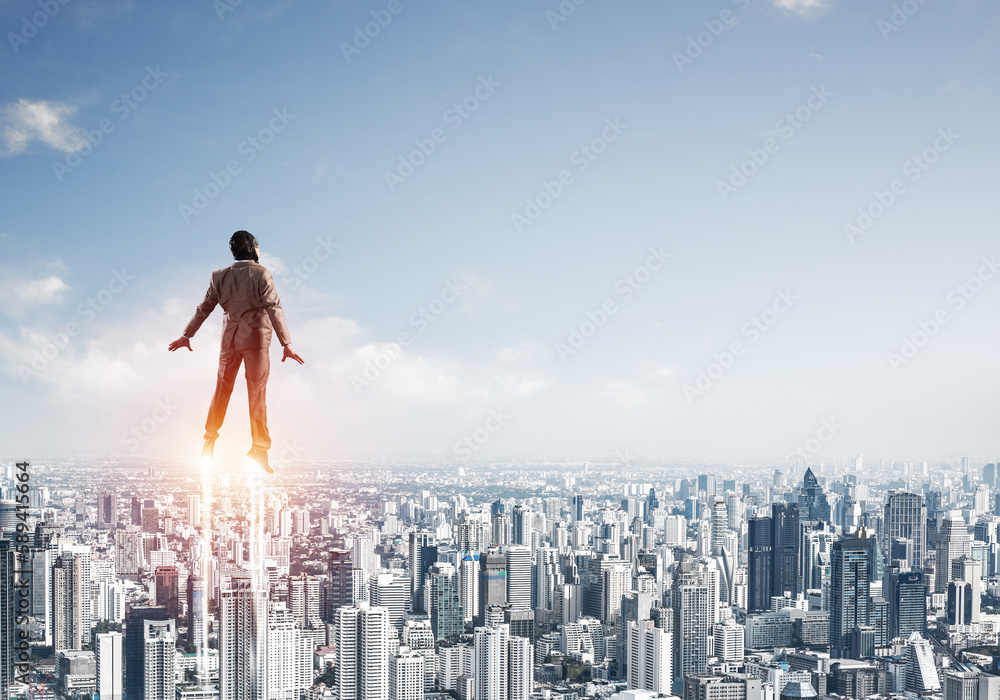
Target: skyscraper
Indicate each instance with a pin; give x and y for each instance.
(518, 560)
(362, 669)
(849, 593)
(289, 655)
(196, 602)
(906, 517)
(490, 666)
(759, 564)
(422, 554)
(906, 593)
(67, 603)
(159, 641)
(813, 504)
(785, 549)
(387, 591)
(135, 647)
(468, 586)
(340, 587)
(303, 600)
(953, 542)
(492, 582)
(166, 589)
(110, 665)
(441, 589)
(406, 675)
(650, 657)
(107, 510)
(520, 668)
(243, 657)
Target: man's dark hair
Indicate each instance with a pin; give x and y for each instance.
(243, 245)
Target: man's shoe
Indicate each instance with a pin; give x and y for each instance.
(260, 457)
(208, 451)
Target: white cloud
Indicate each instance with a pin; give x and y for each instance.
(22, 292)
(25, 121)
(802, 7)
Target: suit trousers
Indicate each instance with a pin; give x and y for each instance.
(258, 368)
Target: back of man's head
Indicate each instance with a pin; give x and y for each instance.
(243, 245)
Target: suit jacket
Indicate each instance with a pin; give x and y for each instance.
(245, 291)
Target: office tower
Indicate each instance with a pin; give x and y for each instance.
(340, 587)
(520, 668)
(921, 674)
(785, 549)
(490, 666)
(7, 618)
(578, 506)
(136, 511)
(492, 582)
(67, 603)
(393, 594)
(906, 517)
(734, 511)
(849, 593)
(906, 593)
(150, 519)
(729, 640)
(406, 676)
(441, 589)
(813, 504)
(720, 525)
(817, 539)
(760, 562)
(110, 665)
(135, 649)
(706, 484)
(548, 577)
(243, 657)
(289, 655)
(518, 559)
(303, 601)
(159, 664)
(107, 510)
(521, 519)
(876, 565)
(650, 657)
(617, 581)
(690, 600)
(422, 553)
(468, 585)
(128, 552)
(502, 530)
(964, 591)
(674, 529)
(166, 589)
(196, 602)
(953, 542)
(363, 636)
(194, 510)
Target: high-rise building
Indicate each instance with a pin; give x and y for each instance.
(720, 525)
(110, 665)
(468, 585)
(135, 647)
(849, 593)
(520, 668)
(492, 582)
(906, 518)
(67, 602)
(393, 594)
(159, 659)
(813, 504)
(128, 552)
(921, 673)
(964, 591)
(340, 584)
(760, 560)
(194, 510)
(107, 510)
(441, 589)
(196, 610)
(906, 593)
(243, 654)
(691, 602)
(303, 601)
(422, 554)
(953, 542)
(406, 675)
(166, 589)
(785, 549)
(289, 655)
(650, 657)
(362, 669)
(490, 666)
(518, 560)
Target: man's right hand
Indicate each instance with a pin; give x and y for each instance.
(181, 342)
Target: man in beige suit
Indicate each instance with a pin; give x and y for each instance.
(245, 291)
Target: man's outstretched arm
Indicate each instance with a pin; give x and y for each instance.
(203, 311)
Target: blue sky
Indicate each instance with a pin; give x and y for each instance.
(310, 129)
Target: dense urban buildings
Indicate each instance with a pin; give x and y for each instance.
(566, 580)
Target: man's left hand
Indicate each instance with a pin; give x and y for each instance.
(289, 354)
